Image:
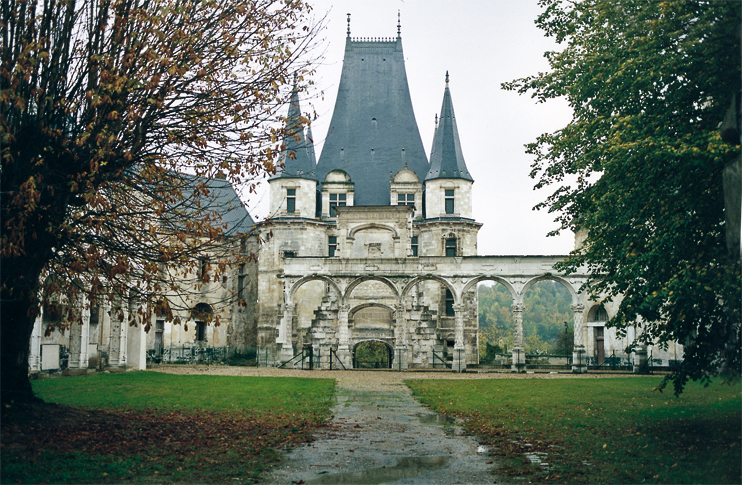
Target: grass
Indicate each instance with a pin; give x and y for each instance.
(614, 430)
(160, 428)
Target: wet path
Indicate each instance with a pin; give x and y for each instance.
(380, 434)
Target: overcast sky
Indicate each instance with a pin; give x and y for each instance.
(481, 43)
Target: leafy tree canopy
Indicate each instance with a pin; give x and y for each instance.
(102, 104)
(639, 167)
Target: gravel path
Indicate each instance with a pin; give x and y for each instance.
(379, 433)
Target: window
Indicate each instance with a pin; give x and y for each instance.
(94, 314)
(414, 245)
(289, 254)
(336, 200)
(290, 200)
(203, 270)
(451, 247)
(449, 201)
(200, 331)
(332, 246)
(406, 199)
(241, 283)
(449, 303)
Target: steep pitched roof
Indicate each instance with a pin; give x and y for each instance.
(373, 131)
(298, 158)
(214, 198)
(446, 158)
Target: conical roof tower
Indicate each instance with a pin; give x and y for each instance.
(373, 132)
(297, 159)
(446, 158)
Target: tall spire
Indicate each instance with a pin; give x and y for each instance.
(446, 158)
(298, 155)
(348, 36)
(399, 25)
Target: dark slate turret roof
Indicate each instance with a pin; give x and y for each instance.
(446, 158)
(373, 132)
(298, 158)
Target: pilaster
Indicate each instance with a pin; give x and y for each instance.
(34, 355)
(344, 336)
(459, 350)
(579, 357)
(519, 351)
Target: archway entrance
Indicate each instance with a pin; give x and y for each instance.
(372, 354)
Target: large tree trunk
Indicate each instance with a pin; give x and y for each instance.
(15, 333)
(19, 290)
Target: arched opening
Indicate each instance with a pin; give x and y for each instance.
(547, 319)
(495, 316)
(316, 306)
(202, 315)
(372, 354)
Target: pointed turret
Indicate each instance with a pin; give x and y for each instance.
(297, 159)
(446, 158)
(373, 123)
(294, 187)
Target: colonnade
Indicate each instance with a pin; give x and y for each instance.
(459, 276)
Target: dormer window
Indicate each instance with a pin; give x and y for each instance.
(449, 199)
(336, 200)
(406, 199)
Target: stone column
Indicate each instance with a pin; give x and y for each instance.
(519, 350)
(400, 336)
(117, 346)
(34, 354)
(459, 350)
(79, 335)
(136, 342)
(287, 348)
(344, 336)
(579, 357)
(641, 364)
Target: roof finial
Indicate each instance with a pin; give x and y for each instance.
(349, 26)
(446, 78)
(399, 24)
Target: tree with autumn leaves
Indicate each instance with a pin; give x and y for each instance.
(104, 105)
(639, 167)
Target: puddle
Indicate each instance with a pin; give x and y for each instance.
(427, 418)
(406, 467)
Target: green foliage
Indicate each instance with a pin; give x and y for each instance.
(372, 355)
(613, 430)
(159, 428)
(547, 308)
(639, 166)
(102, 104)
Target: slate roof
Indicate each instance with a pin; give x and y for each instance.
(219, 199)
(446, 158)
(298, 158)
(373, 132)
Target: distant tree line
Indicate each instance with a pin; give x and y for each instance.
(547, 309)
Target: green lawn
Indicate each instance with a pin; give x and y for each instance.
(160, 428)
(616, 430)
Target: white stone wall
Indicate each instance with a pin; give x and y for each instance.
(306, 197)
(435, 191)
